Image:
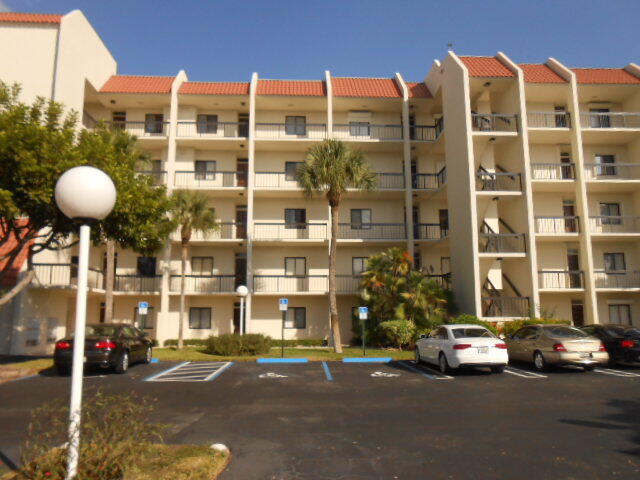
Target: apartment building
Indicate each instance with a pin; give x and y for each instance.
(516, 185)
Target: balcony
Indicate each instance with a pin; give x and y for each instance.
(549, 119)
(498, 181)
(273, 231)
(430, 231)
(424, 133)
(443, 280)
(65, 275)
(560, 279)
(614, 225)
(283, 131)
(599, 172)
(225, 231)
(557, 225)
(143, 129)
(553, 171)
(275, 180)
(501, 243)
(212, 130)
(158, 177)
(210, 180)
(134, 283)
(318, 284)
(616, 279)
(349, 284)
(357, 131)
(372, 231)
(204, 283)
(430, 181)
(505, 306)
(606, 120)
(494, 122)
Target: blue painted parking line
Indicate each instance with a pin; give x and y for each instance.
(282, 360)
(367, 360)
(155, 360)
(327, 372)
(152, 377)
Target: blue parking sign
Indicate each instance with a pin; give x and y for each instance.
(283, 303)
(363, 312)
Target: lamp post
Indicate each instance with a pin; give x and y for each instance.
(84, 194)
(242, 292)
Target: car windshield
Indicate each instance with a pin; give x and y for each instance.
(100, 331)
(565, 332)
(471, 333)
(621, 331)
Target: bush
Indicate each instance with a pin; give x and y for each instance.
(301, 342)
(189, 342)
(473, 320)
(396, 332)
(231, 344)
(509, 328)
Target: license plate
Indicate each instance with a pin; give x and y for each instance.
(585, 355)
(483, 349)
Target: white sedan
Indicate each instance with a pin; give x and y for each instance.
(456, 346)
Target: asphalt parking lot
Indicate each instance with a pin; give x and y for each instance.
(367, 421)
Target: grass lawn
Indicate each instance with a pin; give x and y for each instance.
(11, 371)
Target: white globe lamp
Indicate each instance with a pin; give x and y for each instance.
(85, 194)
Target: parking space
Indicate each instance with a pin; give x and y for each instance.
(191, 372)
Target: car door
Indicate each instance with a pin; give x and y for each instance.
(515, 344)
(529, 343)
(133, 342)
(435, 345)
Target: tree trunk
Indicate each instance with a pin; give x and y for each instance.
(183, 265)
(333, 304)
(21, 285)
(110, 273)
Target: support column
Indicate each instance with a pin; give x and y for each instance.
(250, 180)
(406, 152)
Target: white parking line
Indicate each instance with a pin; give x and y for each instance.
(191, 372)
(523, 373)
(433, 376)
(617, 373)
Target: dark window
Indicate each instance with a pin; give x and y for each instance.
(207, 124)
(290, 170)
(145, 321)
(598, 119)
(295, 266)
(147, 266)
(620, 314)
(611, 212)
(296, 317)
(119, 119)
(295, 218)
(205, 169)
(199, 318)
(606, 165)
(417, 261)
(614, 262)
(359, 129)
(361, 218)
(358, 265)
(201, 265)
(154, 123)
(561, 116)
(294, 125)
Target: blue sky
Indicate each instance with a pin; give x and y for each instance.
(227, 40)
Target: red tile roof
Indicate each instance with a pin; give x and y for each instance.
(365, 87)
(418, 90)
(303, 88)
(486, 67)
(605, 76)
(214, 88)
(540, 73)
(137, 84)
(16, 17)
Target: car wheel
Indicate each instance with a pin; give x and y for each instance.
(539, 362)
(123, 363)
(588, 368)
(443, 364)
(497, 369)
(62, 370)
(149, 355)
(418, 359)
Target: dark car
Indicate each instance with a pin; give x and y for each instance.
(621, 341)
(106, 346)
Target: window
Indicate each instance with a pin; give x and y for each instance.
(443, 220)
(147, 266)
(119, 119)
(295, 125)
(295, 218)
(207, 124)
(295, 266)
(358, 265)
(361, 218)
(566, 169)
(611, 213)
(417, 261)
(290, 170)
(620, 314)
(561, 117)
(205, 169)
(359, 129)
(199, 318)
(201, 265)
(598, 119)
(605, 165)
(296, 317)
(614, 262)
(154, 123)
(145, 321)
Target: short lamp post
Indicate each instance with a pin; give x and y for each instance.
(242, 292)
(84, 194)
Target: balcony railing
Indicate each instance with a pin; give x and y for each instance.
(501, 243)
(348, 283)
(279, 131)
(610, 119)
(218, 179)
(430, 181)
(158, 177)
(505, 306)
(213, 129)
(290, 283)
(424, 133)
(367, 131)
(225, 231)
(143, 128)
(557, 224)
(612, 171)
(494, 122)
(498, 181)
(372, 231)
(204, 283)
(275, 180)
(430, 231)
(614, 224)
(136, 283)
(559, 279)
(65, 275)
(620, 279)
(443, 280)
(390, 181)
(289, 231)
(549, 119)
(553, 171)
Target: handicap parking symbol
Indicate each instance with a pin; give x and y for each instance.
(384, 374)
(271, 375)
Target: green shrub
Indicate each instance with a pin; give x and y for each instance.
(473, 320)
(231, 344)
(301, 342)
(397, 333)
(509, 328)
(189, 342)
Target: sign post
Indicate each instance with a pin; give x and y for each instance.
(363, 313)
(143, 310)
(283, 304)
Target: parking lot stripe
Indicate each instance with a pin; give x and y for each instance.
(327, 372)
(433, 375)
(282, 360)
(416, 370)
(617, 373)
(366, 360)
(148, 379)
(523, 373)
(218, 372)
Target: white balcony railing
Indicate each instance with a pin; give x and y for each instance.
(548, 119)
(365, 131)
(290, 283)
(283, 131)
(614, 224)
(610, 120)
(494, 122)
(612, 171)
(213, 180)
(203, 283)
(143, 129)
(289, 231)
(616, 279)
(557, 224)
(560, 279)
(225, 231)
(213, 130)
(553, 171)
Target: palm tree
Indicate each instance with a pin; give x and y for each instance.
(330, 169)
(190, 213)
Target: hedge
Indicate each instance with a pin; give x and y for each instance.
(230, 344)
